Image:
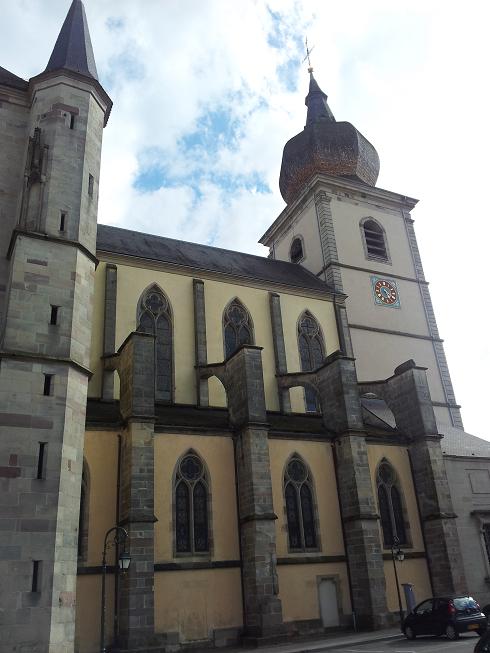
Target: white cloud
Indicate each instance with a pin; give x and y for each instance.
(410, 75)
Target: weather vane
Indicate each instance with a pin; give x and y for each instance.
(308, 52)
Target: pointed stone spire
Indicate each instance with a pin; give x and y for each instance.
(73, 49)
(316, 101)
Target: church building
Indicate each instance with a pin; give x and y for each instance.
(257, 435)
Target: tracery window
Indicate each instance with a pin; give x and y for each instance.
(390, 505)
(375, 240)
(237, 327)
(191, 492)
(155, 318)
(296, 251)
(311, 352)
(300, 512)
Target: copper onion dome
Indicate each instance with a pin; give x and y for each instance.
(325, 146)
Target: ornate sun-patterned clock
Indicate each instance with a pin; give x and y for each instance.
(385, 292)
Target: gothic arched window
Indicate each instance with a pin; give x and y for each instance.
(191, 490)
(390, 505)
(374, 239)
(237, 327)
(300, 510)
(155, 318)
(311, 353)
(296, 252)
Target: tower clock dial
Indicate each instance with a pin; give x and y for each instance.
(385, 292)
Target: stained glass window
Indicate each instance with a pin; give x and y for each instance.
(390, 505)
(237, 327)
(191, 506)
(155, 319)
(300, 510)
(311, 353)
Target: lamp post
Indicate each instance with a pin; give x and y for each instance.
(400, 556)
(119, 536)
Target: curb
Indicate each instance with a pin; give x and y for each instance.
(325, 646)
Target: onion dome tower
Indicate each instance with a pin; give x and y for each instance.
(325, 146)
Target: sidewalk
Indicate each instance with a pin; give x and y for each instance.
(325, 643)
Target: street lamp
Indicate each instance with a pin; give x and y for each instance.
(400, 556)
(119, 536)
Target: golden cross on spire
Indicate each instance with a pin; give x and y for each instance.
(308, 53)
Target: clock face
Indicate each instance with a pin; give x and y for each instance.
(385, 292)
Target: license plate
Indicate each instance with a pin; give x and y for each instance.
(473, 627)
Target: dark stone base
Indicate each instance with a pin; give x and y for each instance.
(266, 640)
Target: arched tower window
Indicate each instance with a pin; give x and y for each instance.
(390, 505)
(300, 510)
(155, 317)
(237, 327)
(374, 237)
(191, 500)
(296, 253)
(83, 516)
(311, 353)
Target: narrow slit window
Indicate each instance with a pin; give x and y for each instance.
(91, 185)
(36, 567)
(54, 314)
(48, 385)
(62, 221)
(72, 121)
(41, 460)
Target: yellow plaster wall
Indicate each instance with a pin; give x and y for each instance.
(100, 452)
(377, 355)
(318, 456)
(133, 280)
(87, 620)
(194, 603)
(305, 225)
(298, 589)
(217, 453)
(347, 214)
(399, 459)
(409, 571)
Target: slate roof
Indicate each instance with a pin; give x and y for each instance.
(9, 79)
(459, 443)
(73, 48)
(205, 258)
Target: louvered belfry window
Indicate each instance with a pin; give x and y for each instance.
(237, 327)
(390, 505)
(296, 252)
(191, 506)
(375, 240)
(311, 352)
(155, 319)
(300, 512)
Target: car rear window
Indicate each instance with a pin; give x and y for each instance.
(465, 603)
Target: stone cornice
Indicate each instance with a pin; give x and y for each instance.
(150, 264)
(368, 194)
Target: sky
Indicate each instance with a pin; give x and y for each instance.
(207, 92)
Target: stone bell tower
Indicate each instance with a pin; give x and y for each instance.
(50, 148)
(359, 239)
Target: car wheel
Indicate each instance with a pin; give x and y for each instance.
(409, 633)
(451, 632)
(481, 631)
